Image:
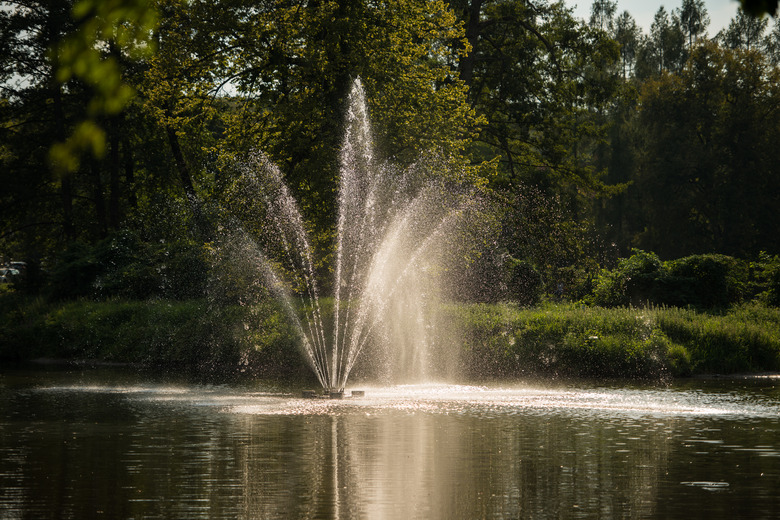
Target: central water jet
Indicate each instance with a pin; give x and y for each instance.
(397, 231)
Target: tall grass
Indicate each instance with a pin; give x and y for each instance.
(496, 340)
(629, 342)
(746, 339)
(194, 334)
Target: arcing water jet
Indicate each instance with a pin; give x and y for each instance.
(397, 231)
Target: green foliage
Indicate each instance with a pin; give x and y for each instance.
(124, 266)
(193, 335)
(707, 131)
(634, 281)
(543, 231)
(766, 272)
(545, 127)
(702, 281)
(707, 280)
(625, 342)
(75, 272)
(121, 27)
(524, 284)
(123, 114)
(562, 341)
(294, 65)
(747, 339)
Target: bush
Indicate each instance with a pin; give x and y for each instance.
(766, 278)
(524, 283)
(706, 281)
(194, 334)
(774, 287)
(701, 281)
(633, 282)
(124, 266)
(74, 273)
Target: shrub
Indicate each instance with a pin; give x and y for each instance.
(124, 266)
(633, 282)
(524, 284)
(774, 287)
(766, 278)
(701, 281)
(706, 281)
(194, 334)
(75, 272)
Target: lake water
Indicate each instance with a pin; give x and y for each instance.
(111, 443)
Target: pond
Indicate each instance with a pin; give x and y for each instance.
(116, 443)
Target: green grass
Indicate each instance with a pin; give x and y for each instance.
(746, 339)
(626, 342)
(194, 334)
(500, 340)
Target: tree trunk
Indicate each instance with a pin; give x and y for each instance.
(181, 164)
(66, 188)
(98, 198)
(466, 65)
(203, 227)
(127, 156)
(113, 171)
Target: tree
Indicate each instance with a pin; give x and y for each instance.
(34, 94)
(664, 48)
(542, 80)
(602, 14)
(158, 129)
(627, 34)
(693, 19)
(709, 161)
(63, 89)
(745, 31)
(541, 127)
(293, 66)
(772, 45)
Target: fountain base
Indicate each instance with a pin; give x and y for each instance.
(340, 394)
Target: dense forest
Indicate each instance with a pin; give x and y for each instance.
(121, 123)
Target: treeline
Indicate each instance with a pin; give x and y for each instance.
(125, 120)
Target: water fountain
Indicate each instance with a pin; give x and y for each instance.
(397, 228)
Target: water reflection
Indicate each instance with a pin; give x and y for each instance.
(78, 446)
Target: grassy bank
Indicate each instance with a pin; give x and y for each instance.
(648, 343)
(193, 335)
(500, 340)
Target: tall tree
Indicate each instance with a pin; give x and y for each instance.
(709, 168)
(745, 31)
(602, 14)
(664, 48)
(694, 20)
(627, 34)
(542, 80)
(772, 44)
(293, 67)
(541, 127)
(60, 76)
(31, 29)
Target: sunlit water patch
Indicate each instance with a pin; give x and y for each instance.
(452, 399)
(97, 444)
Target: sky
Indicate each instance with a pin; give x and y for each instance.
(721, 11)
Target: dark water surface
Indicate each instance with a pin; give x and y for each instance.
(115, 444)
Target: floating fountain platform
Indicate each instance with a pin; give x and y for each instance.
(314, 394)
